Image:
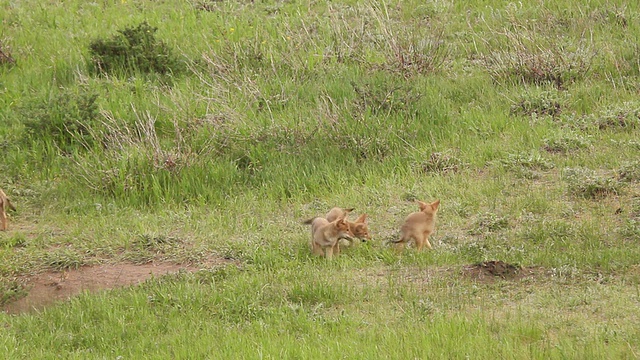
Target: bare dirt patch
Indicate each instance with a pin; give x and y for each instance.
(490, 270)
(48, 288)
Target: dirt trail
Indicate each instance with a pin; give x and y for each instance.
(50, 287)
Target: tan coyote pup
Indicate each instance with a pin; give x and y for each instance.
(325, 235)
(419, 225)
(5, 204)
(358, 228)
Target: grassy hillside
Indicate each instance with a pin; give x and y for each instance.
(185, 131)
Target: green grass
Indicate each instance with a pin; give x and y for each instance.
(522, 118)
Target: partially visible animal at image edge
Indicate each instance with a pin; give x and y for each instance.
(325, 235)
(418, 226)
(5, 204)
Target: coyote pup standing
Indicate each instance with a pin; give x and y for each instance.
(419, 225)
(5, 204)
(325, 235)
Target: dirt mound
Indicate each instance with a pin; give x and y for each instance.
(493, 269)
(47, 288)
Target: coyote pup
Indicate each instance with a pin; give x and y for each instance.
(5, 204)
(419, 225)
(325, 235)
(358, 228)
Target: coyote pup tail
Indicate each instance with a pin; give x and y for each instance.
(308, 221)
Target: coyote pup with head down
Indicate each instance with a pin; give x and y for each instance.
(5, 204)
(325, 235)
(419, 225)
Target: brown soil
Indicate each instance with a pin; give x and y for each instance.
(51, 287)
(489, 270)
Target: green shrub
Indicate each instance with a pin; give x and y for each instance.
(132, 50)
(66, 119)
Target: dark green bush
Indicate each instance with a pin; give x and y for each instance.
(133, 50)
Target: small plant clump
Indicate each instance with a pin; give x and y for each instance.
(63, 259)
(526, 166)
(531, 59)
(630, 171)
(384, 99)
(417, 56)
(5, 57)
(565, 143)
(588, 184)
(440, 163)
(532, 162)
(11, 290)
(132, 50)
(631, 227)
(488, 222)
(156, 242)
(546, 103)
(623, 116)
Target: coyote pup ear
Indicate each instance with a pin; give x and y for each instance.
(362, 218)
(422, 205)
(435, 204)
